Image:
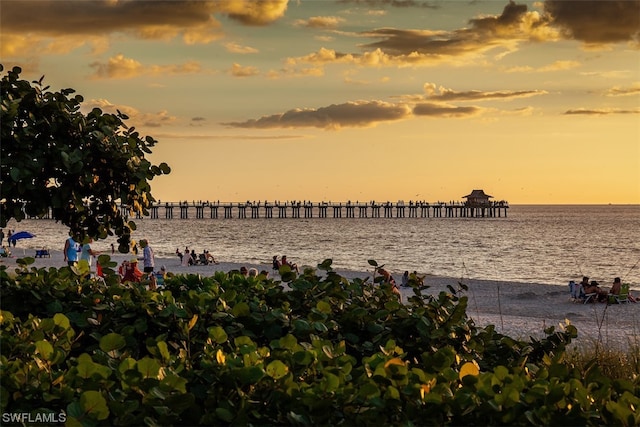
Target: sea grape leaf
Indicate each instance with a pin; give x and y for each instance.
(277, 369)
(112, 341)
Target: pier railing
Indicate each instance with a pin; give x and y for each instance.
(308, 209)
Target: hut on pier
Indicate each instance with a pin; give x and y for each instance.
(477, 198)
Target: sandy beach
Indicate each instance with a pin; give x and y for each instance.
(519, 310)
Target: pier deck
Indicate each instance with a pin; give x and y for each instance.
(299, 209)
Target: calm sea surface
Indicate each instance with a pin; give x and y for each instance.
(535, 243)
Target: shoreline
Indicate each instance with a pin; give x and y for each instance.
(519, 310)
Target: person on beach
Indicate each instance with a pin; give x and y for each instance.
(148, 257)
(210, 258)
(132, 273)
(290, 264)
(160, 276)
(70, 251)
(419, 279)
(122, 269)
(616, 288)
(593, 287)
(1, 236)
(87, 253)
(405, 279)
(276, 264)
(388, 278)
(184, 259)
(575, 291)
(244, 271)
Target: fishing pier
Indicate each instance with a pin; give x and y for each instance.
(307, 209)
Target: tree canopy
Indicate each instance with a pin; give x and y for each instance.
(90, 172)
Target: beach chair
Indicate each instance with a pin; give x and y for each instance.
(587, 297)
(622, 297)
(42, 253)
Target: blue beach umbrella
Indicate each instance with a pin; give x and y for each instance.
(20, 235)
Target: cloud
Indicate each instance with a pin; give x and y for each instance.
(31, 24)
(238, 70)
(236, 48)
(120, 67)
(600, 112)
(394, 3)
(486, 32)
(418, 47)
(320, 22)
(597, 21)
(441, 110)
(554, 66)
(443, 94)
(336, 116)
(621, 91)
(252, 12)
(136, 118)
(436, 103)
(516, 24)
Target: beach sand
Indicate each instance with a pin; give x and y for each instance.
(519, 310)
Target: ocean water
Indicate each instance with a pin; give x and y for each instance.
(534, 243)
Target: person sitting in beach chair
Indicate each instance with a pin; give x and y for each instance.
(42, 253)
(592, 291)
(619, 292)
(4, 252)
(294, 267)
(202, 259)
(210, 259)
(576, 291)
(132, 273)
(276, 264)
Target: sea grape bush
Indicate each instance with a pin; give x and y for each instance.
(309, 349)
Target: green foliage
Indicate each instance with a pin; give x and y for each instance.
(81, 167)
(315, 350)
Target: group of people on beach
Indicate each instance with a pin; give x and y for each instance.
(277, 263)
(9, 241)
(192, 258)
(585, 287)
(128, 270)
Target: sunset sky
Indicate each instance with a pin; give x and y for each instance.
(533, 102)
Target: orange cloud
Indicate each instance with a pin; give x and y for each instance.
(436, 103)
(321, 22)
(120, 67)
(236, 48)
(39, 21)
(336, 116)
(443, 94)
(239, 71)
(596, 21)
(441, 110)
(621, 91)
(600, 112)
(136, 118)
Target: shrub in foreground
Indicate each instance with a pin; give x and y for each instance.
(313, 349)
